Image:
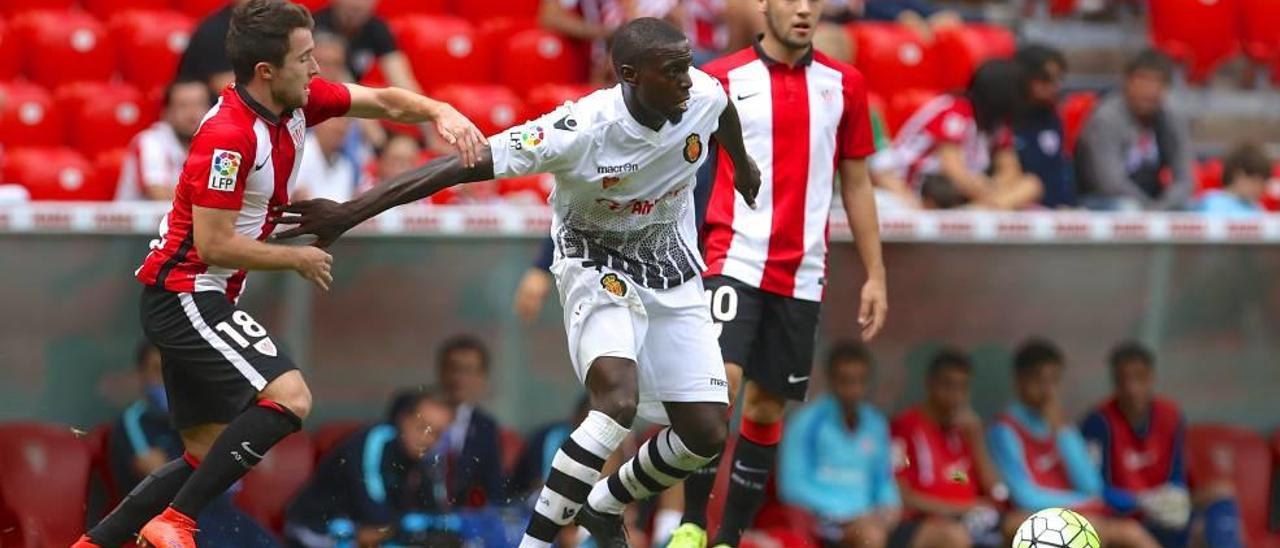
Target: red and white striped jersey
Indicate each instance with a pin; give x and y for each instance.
(244, 158)
(798, 123)
(947, 119)
(154, 158)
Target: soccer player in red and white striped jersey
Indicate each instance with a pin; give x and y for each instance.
(804, 119)
(232, 393)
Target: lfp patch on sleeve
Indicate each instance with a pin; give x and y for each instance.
(222, 174)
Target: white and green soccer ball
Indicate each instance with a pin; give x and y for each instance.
(1056, 528)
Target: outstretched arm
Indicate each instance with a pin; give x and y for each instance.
(402, 105)
(328, 220)
(746, 176)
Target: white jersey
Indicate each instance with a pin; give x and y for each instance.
(623, 197)
(154, 158)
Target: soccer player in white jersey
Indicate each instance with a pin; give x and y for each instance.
(626, 264)
(804, 119)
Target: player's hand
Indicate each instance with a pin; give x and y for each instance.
(874, 308)
(531, 293)
(458, 131)
(314, 264)
(327, 220)
(747, 182)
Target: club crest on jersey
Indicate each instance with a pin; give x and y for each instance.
(692, 148)
(222, 174)
(613, 284)
(527, 137)
(610, 182)
(297, 130)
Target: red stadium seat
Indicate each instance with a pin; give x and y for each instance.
(101, 116)
(538, 56)
(511, 444)
(495, 32)
(44, 480)
(546, 98)
(64, 47)
(1075, 110)
(270, 485)
(959, 51)
(443, 50)
(1200, 34)
(332, 434)
(10, 53)
(14, 7)
(313, 5)
(199, 9)
(472, 10)
(491, 108)
(107, 165)
(55, 174)
(1062, 8)
(28, 117)
(1260, 21)
(150, 45)
(391, 9)
(1208, 175)
(902, 105)
(893, 58)
(1241, 457)
(105, 9)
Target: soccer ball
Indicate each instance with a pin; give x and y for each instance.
(1056, 528)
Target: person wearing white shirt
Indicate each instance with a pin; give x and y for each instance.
(155, 156)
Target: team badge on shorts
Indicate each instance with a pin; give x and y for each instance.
(692, 148)
(613, 284)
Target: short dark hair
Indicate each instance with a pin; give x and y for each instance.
(407, 400)
(1034, 353)
(260, 33)
(635, 41)
(173, 86)
(141, 350)
(1153, 61)
(1035, 58)
(949, 359)
(1247, 159)
(461, 342)
(846, 351)
(996, 92)
(1129, 351)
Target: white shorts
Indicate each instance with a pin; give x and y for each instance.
(667, 332)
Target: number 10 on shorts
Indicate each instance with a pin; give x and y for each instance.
(723, 301)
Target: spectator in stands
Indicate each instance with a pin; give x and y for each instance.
(205, 58)
(327, 170)
(1245, 172)
(1135, 151)
(155, 156)
(330, 54)
(1038, 130)
(472, 440)
(835, 462)
(142, 440)
(943, 468)
(1137, 439)
(369, 40)
(370, 482)
(958, 149)
(1043, 457)
(400, 153)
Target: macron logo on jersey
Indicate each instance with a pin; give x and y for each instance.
(222, 174)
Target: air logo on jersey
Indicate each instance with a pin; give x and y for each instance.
(222, 174)
(527, 137)
(692, 148)
(614, 285)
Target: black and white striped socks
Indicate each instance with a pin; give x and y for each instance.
(575, 468)
(661, 462)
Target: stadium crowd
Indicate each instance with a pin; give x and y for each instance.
(950, 135)
(439, 469)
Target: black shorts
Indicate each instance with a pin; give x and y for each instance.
(769, 335)
(216, 358)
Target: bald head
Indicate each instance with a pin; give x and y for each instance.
(642, 39)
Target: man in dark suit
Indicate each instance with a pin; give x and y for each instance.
(475, 471)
